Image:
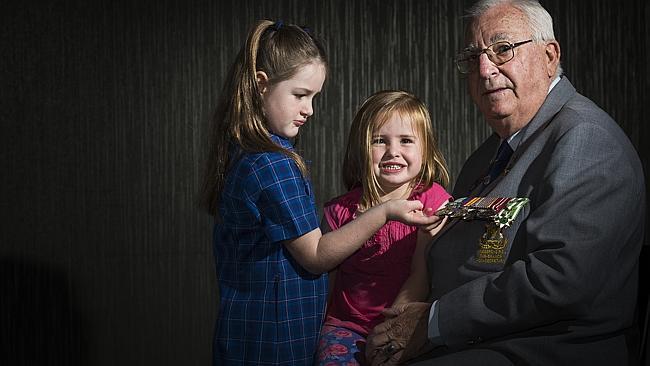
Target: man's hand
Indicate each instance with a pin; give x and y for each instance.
(402, 336)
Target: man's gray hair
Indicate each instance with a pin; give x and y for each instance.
(539, 20)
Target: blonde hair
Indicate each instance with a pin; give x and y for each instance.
(279, 50)
(375, 111)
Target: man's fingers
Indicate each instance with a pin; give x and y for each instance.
(393, 311)
(385, 325)
(390, 313)
(385, 359)
(376, 355)
(394, 359)
(377, 339)
(374, 343)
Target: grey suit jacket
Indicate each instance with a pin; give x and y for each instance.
(566, 291)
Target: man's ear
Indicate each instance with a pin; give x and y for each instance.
(552, 57)
(262, 81)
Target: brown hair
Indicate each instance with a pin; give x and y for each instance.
(375, 111)
(279, 50)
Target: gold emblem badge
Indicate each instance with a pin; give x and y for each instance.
(492, 245)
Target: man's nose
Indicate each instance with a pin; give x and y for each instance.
(486, 67)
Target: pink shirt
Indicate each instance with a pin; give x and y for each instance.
(370, 279)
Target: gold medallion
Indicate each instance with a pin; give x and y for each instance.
(492, 245)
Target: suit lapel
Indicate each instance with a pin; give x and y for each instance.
(559, 96)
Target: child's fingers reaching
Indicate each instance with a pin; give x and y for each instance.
(422, 220)
(433, 229)
(428, 211)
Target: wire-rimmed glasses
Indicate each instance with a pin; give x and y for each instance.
(499, 53)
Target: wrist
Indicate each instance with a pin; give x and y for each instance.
(386, 206)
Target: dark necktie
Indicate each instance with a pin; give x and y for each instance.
(500, 161)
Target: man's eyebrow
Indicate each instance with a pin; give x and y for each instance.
(495, 38)
(502, 36)
(499, 37)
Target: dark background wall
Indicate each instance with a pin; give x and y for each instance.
(104, 257)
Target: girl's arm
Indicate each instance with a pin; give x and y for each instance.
(319, 253)
(326, 228)
(416, 286)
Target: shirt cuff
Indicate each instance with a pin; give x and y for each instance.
(433, 329)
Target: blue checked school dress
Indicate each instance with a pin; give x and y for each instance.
(270, 308)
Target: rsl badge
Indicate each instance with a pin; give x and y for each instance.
(492, 245)
(493, 238)
(499, 212)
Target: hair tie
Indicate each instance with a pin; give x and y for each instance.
(278, 25)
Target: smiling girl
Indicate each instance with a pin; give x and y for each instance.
(392, 153)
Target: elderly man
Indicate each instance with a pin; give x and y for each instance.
(550, 277)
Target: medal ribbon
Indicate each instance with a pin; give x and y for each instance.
(506, 216)
(502, 210)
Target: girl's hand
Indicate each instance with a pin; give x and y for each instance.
(434, 228)
(411, 213)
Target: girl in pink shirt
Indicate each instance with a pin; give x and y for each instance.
(392, 153)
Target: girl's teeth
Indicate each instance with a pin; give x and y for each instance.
(392, 167)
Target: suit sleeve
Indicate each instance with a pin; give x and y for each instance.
(578, 244)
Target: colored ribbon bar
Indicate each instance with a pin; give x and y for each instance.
(501, 210)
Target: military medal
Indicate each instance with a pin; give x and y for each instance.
(500, 212)
(469, 208)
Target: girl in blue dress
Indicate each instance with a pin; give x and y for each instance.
(269, 252)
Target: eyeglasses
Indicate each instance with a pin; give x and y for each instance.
(499, 53)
